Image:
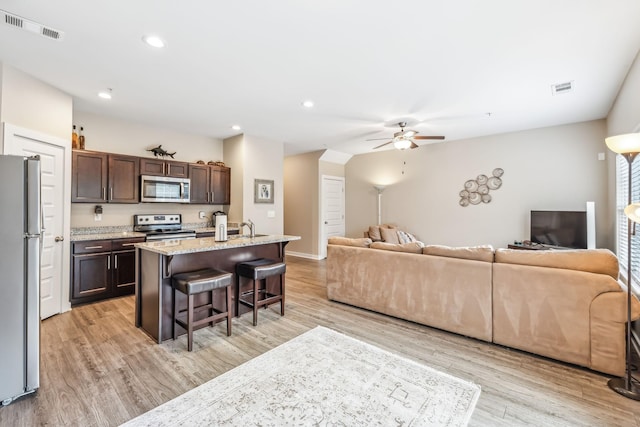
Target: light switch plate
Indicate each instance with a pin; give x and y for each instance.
(271, 214)
(600, 156)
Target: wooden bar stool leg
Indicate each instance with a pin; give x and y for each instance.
(237, 295)
(282, 295)
(228, 292)
(256, 291)
(190, 324)
(173, 314)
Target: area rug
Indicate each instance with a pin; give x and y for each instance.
(322, 378)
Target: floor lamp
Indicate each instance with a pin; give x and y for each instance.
(629, 146)
(380, 189)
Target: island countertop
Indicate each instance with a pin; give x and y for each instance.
(206, 244)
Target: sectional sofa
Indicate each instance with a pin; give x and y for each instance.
(566, 305)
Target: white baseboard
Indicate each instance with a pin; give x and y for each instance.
(303, 255)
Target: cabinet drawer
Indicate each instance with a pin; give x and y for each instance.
(123, 244)
(91, 246)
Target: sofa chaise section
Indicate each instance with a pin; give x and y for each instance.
(567, 305)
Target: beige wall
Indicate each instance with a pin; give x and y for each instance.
(118, 136)
(555, 168)
(32, 104)
(301, 201)
(263, 159)
(253, 158)
(303, 204)
(123, 137)
(234, 158)
(624, 116)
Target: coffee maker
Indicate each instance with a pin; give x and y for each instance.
(220, 223)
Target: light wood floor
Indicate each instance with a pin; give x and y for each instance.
(99, 370)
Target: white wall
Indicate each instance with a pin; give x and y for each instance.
(553, 168)
(117, 136)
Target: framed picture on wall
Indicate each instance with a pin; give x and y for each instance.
(263, 191)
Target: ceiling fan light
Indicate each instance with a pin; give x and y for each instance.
(410, 134)
(402, 144)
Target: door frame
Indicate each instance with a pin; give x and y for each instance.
(322, 242)
(12, 146)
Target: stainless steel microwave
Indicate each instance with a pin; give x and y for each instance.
(164, 189)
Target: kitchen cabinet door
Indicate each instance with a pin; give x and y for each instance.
(220, 185)
(89, 177)
(123, 179)
(91, 277)
(159, 167)
(124, 272)
(199, 176)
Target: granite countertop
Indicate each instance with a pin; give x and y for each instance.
(123, 232)
(106, 236)
(206, 244)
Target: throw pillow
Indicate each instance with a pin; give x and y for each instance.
(374, 233)
(404, 237)
(389, 235)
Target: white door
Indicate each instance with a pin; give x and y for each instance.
(54, 275)
(332, 210)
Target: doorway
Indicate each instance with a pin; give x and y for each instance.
(55, 163)
(332, 221)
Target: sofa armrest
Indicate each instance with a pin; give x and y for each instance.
(608, 330)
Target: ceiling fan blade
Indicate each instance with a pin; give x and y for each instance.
(429, 137)
(413, 145)
(382, 145)
(377, 139)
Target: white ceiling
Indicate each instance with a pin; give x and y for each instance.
(443, 64)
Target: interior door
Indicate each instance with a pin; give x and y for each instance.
(333, 222)
(54, 275)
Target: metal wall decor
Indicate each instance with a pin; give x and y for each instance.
(477, 190)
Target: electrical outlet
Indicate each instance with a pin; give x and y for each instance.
(201, 215)
(271, 214)
(97, 217)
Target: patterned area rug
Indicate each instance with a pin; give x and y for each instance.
(323, 378)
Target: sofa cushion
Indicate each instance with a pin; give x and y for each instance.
(362, 242)
(374, 233)
(601, 261)
(389, 235)
(477, 253)
(412, 247)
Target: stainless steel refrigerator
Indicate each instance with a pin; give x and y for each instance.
(20, 245)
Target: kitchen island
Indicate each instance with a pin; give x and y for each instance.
(157, 261)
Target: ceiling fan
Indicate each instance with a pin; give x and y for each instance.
(404, 138)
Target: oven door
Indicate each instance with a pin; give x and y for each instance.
(164, 189)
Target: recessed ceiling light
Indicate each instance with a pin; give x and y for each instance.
(307, 104)
(105, 94)
(153, 41)
(236, 127)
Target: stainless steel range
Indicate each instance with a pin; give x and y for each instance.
(162, 227)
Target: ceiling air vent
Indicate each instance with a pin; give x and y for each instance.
(31, 26)
(562, 88)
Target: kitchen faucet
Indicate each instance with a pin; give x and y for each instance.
(252, 227)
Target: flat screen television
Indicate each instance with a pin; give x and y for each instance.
(559, 228)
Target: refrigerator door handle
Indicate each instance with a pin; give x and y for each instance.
(34, 206)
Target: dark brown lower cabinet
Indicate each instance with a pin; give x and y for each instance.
(102, 269)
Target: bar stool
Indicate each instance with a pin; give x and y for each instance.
(259, 270)
(196, 282)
